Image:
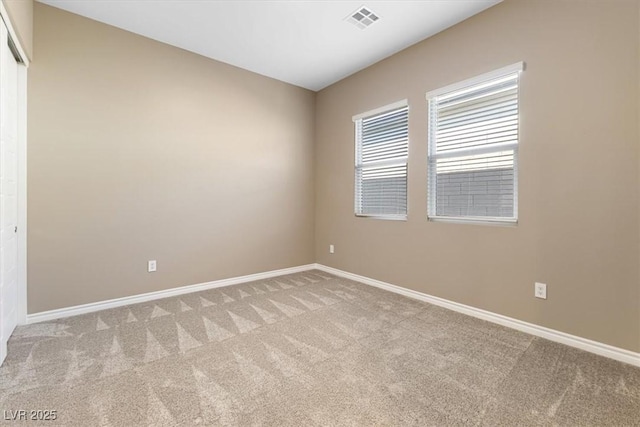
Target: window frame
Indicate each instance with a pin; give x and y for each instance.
(357, 122)
(431, 142)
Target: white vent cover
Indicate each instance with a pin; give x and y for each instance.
(362, 18)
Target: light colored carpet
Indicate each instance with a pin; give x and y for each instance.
(305, 349)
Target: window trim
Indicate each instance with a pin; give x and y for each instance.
(380, 110)
(509, 69)
(518, 67)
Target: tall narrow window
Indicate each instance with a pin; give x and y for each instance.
(473, 148)
(382, 149)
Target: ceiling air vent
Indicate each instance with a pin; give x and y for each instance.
(362, 18)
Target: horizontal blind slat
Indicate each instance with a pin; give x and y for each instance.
(372, 143)
(388, 153)
(482, 141)
(385, 117)
(484, 126)
(507, 107)
(476, 104)
(486, 89)
(388, 134)
(380, 126)
(382, 146)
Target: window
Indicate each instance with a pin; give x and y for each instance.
(473, 148)
(382, 149)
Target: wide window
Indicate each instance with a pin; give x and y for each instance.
(473, 148)
(382, 149)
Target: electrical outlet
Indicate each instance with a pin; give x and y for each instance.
(151, 266)
(540, 290)
(331, 249)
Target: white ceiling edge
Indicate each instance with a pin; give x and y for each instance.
(305, 43)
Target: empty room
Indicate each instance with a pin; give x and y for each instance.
(320, 213)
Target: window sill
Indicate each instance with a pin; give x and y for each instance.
(385, 217)
(504, 222)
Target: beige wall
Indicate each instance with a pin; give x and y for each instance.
(138, 151)
(21, 15)
(578, 180)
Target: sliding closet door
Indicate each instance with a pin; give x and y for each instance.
(8, 191)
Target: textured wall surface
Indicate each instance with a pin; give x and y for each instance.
(578, 170)
(140, 151)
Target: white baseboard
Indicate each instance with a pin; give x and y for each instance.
(601, 349)
(135, 299)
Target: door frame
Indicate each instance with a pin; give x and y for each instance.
(22, 195)
(22, 167)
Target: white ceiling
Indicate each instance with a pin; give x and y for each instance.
(305, 43)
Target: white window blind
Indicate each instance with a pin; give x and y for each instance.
(382, 149)
(473, 148)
